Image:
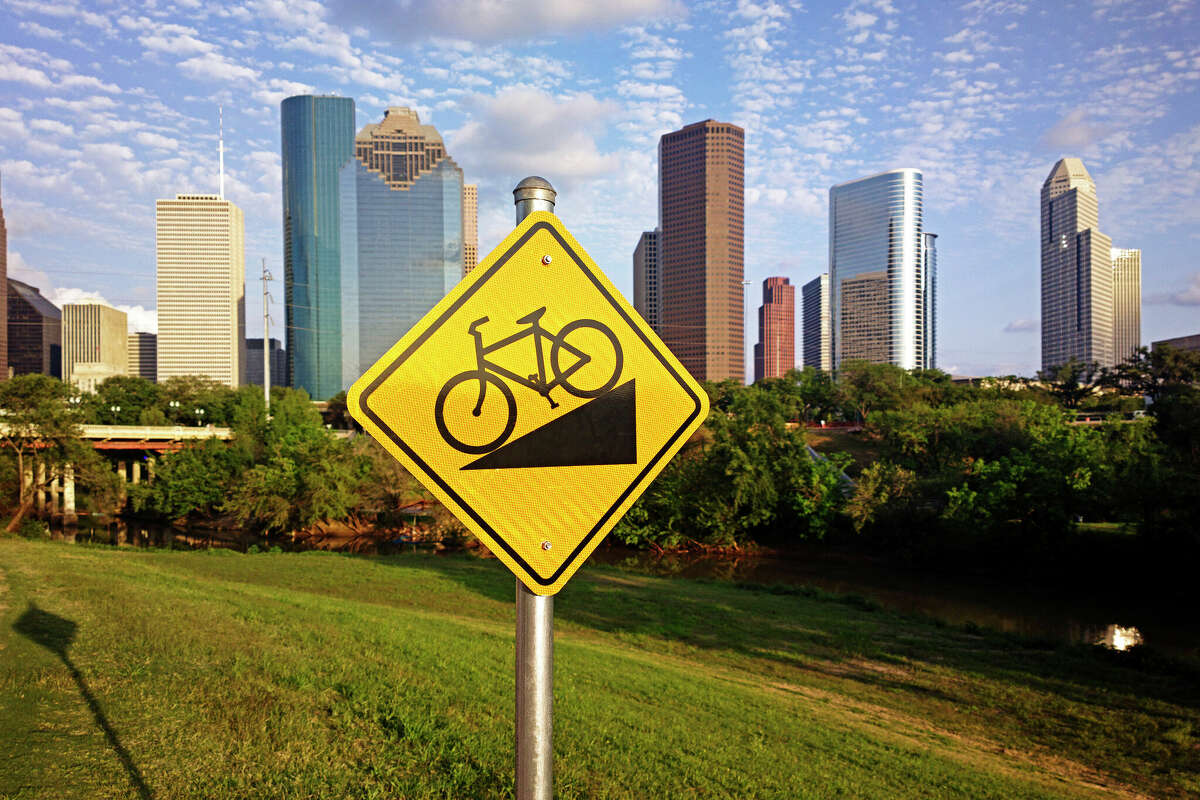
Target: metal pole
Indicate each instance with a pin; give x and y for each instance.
(535, 620)
(266, 276)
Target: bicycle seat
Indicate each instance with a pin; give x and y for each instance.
(532, 316)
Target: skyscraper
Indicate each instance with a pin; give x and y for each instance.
(775, 351)
(929, 274)
(402, 235)
(4, 289)
(34, 332)
(647, 299)
(470, 226)
(317, 138)
(1077, 274)
(254, 362)
(877, 286)
(701, 251)
(93, 344)
(143, 355)
(201, 256)
(818, 349)
(1127, 302)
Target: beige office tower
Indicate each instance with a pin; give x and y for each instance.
(470, 212)
(200, 246)
(1077, 271)
(94, 344)
(1127, 302)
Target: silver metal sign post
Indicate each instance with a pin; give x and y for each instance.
(535, 620)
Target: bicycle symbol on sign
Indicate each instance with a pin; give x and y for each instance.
(488, 373)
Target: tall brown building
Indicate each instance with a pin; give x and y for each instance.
(3, 293)
(775, 352)
(701, 215)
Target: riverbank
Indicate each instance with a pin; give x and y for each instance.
(218, 674)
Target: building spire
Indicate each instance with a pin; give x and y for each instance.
(221, 147)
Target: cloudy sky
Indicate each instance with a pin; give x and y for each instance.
(105, 107)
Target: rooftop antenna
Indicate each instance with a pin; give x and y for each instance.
(221, 145)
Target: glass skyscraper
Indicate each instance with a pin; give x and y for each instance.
(880, 300)
(317, 135)
(402, 234)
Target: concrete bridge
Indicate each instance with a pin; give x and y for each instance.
(134, 448)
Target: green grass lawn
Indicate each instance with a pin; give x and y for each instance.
(214, 674)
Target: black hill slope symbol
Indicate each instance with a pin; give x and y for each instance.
(601, 431)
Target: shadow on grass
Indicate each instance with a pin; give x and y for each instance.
(56, 634)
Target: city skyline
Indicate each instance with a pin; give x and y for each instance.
(93, 136)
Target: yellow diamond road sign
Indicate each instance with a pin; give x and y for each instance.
(534, 402)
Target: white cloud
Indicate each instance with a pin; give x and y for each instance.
(1187, 296)
(1022, 326)
(499, 139)
(140, 318)
(213, 66)
(490, 21)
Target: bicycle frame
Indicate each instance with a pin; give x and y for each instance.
(537, 381)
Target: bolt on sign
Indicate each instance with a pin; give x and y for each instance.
(533, 402)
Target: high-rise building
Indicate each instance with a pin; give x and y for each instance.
(1077, 273)
(94, 344)
(201, 257)
(1127, 302)
(402, 235)
(254, 362)
(470, 201)
(1190, 343)
(775, 351)
(817, 345)
(877, 285)
(34, 332)
(317, 138)
(3, 288)
(701, 248)
(143, 355)
(929, 274)
(647, 299)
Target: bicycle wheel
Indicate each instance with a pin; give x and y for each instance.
(579, 378)
(464, 424)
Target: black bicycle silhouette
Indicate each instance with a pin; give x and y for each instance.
(488, 372)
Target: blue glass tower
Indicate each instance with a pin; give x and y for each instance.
(317, 135)
(402, 234)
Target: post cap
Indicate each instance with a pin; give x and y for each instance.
(534, 188)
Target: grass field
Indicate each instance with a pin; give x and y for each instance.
(214, 674)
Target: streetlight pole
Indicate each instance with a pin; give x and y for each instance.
(535, 620)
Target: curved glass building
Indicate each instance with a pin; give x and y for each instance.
(880, 292)
(317, 135)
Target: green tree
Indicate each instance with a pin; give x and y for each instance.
(1071, 382)
(867, 387)
(41, 428)
(131, 397)
(306, 474)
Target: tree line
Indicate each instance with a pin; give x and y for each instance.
(936, 464)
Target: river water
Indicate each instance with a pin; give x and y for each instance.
(1103, 614)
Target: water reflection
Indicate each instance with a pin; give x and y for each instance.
(1119, 637)
(1055, 614)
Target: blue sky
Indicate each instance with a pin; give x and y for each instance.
(105, 107)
